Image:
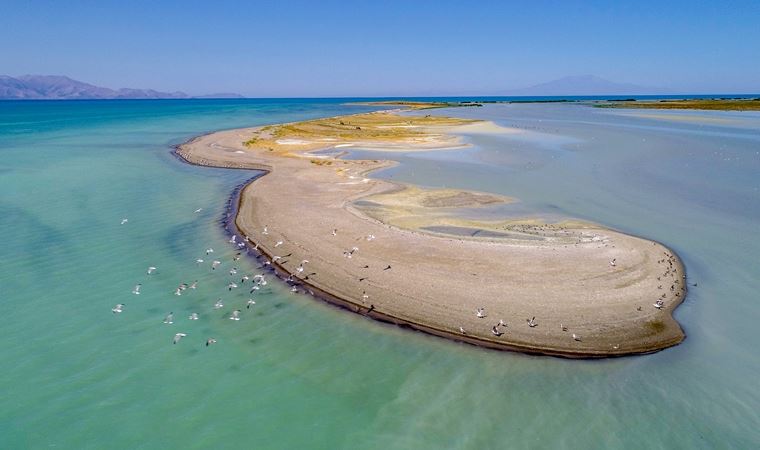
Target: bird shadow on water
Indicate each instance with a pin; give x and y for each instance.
(179, 248)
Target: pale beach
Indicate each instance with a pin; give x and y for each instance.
(568, 289)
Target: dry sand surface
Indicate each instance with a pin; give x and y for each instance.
(384, 265)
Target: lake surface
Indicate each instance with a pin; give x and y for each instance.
(295, 372)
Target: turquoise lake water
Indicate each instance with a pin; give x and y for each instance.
(295, 372)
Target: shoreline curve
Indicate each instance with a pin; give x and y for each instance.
(188, 152)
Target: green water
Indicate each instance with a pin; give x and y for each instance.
(294, 372)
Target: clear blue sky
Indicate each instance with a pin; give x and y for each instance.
(354, 47)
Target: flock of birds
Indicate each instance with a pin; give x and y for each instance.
(255, 281)
(496, 330)
(671, 271)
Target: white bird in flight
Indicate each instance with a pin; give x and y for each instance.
(199, 261)
(169, 319)
(118, 308)
(209, 250)
(193, 316)
(123, 221)
(235, 315)
(231, 286)
(210, 341)
(151, 269)
(178, 336)
(215, 264)
(279, 243)
(250, 303)
(194, 285)
(136, 290)
(233, 239)
(219, 304)
(199, 210)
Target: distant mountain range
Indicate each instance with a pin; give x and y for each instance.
(586, 85)
(55, 87)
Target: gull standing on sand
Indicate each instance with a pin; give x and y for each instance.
(532, 322)
(495, 331)
(266, 230)
(480, 312)
(169, 318)
(151, 269)
(658, 304)
(612, 263)
(119, 308)
(335, 232)
(576, 337)
(461, 330)
(193, 316)
(178, 337)
(136, 290)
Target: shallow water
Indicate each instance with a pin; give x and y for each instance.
(296, 372)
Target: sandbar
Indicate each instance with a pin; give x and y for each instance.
(396, 253)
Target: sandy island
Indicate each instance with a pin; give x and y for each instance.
(396, 253)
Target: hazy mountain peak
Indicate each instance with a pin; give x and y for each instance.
(585, 85)
(61, 87)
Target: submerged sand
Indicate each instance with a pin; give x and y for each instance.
(397, 255)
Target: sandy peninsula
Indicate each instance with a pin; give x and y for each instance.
(397, 253)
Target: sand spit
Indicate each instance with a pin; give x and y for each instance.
(570, 289)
